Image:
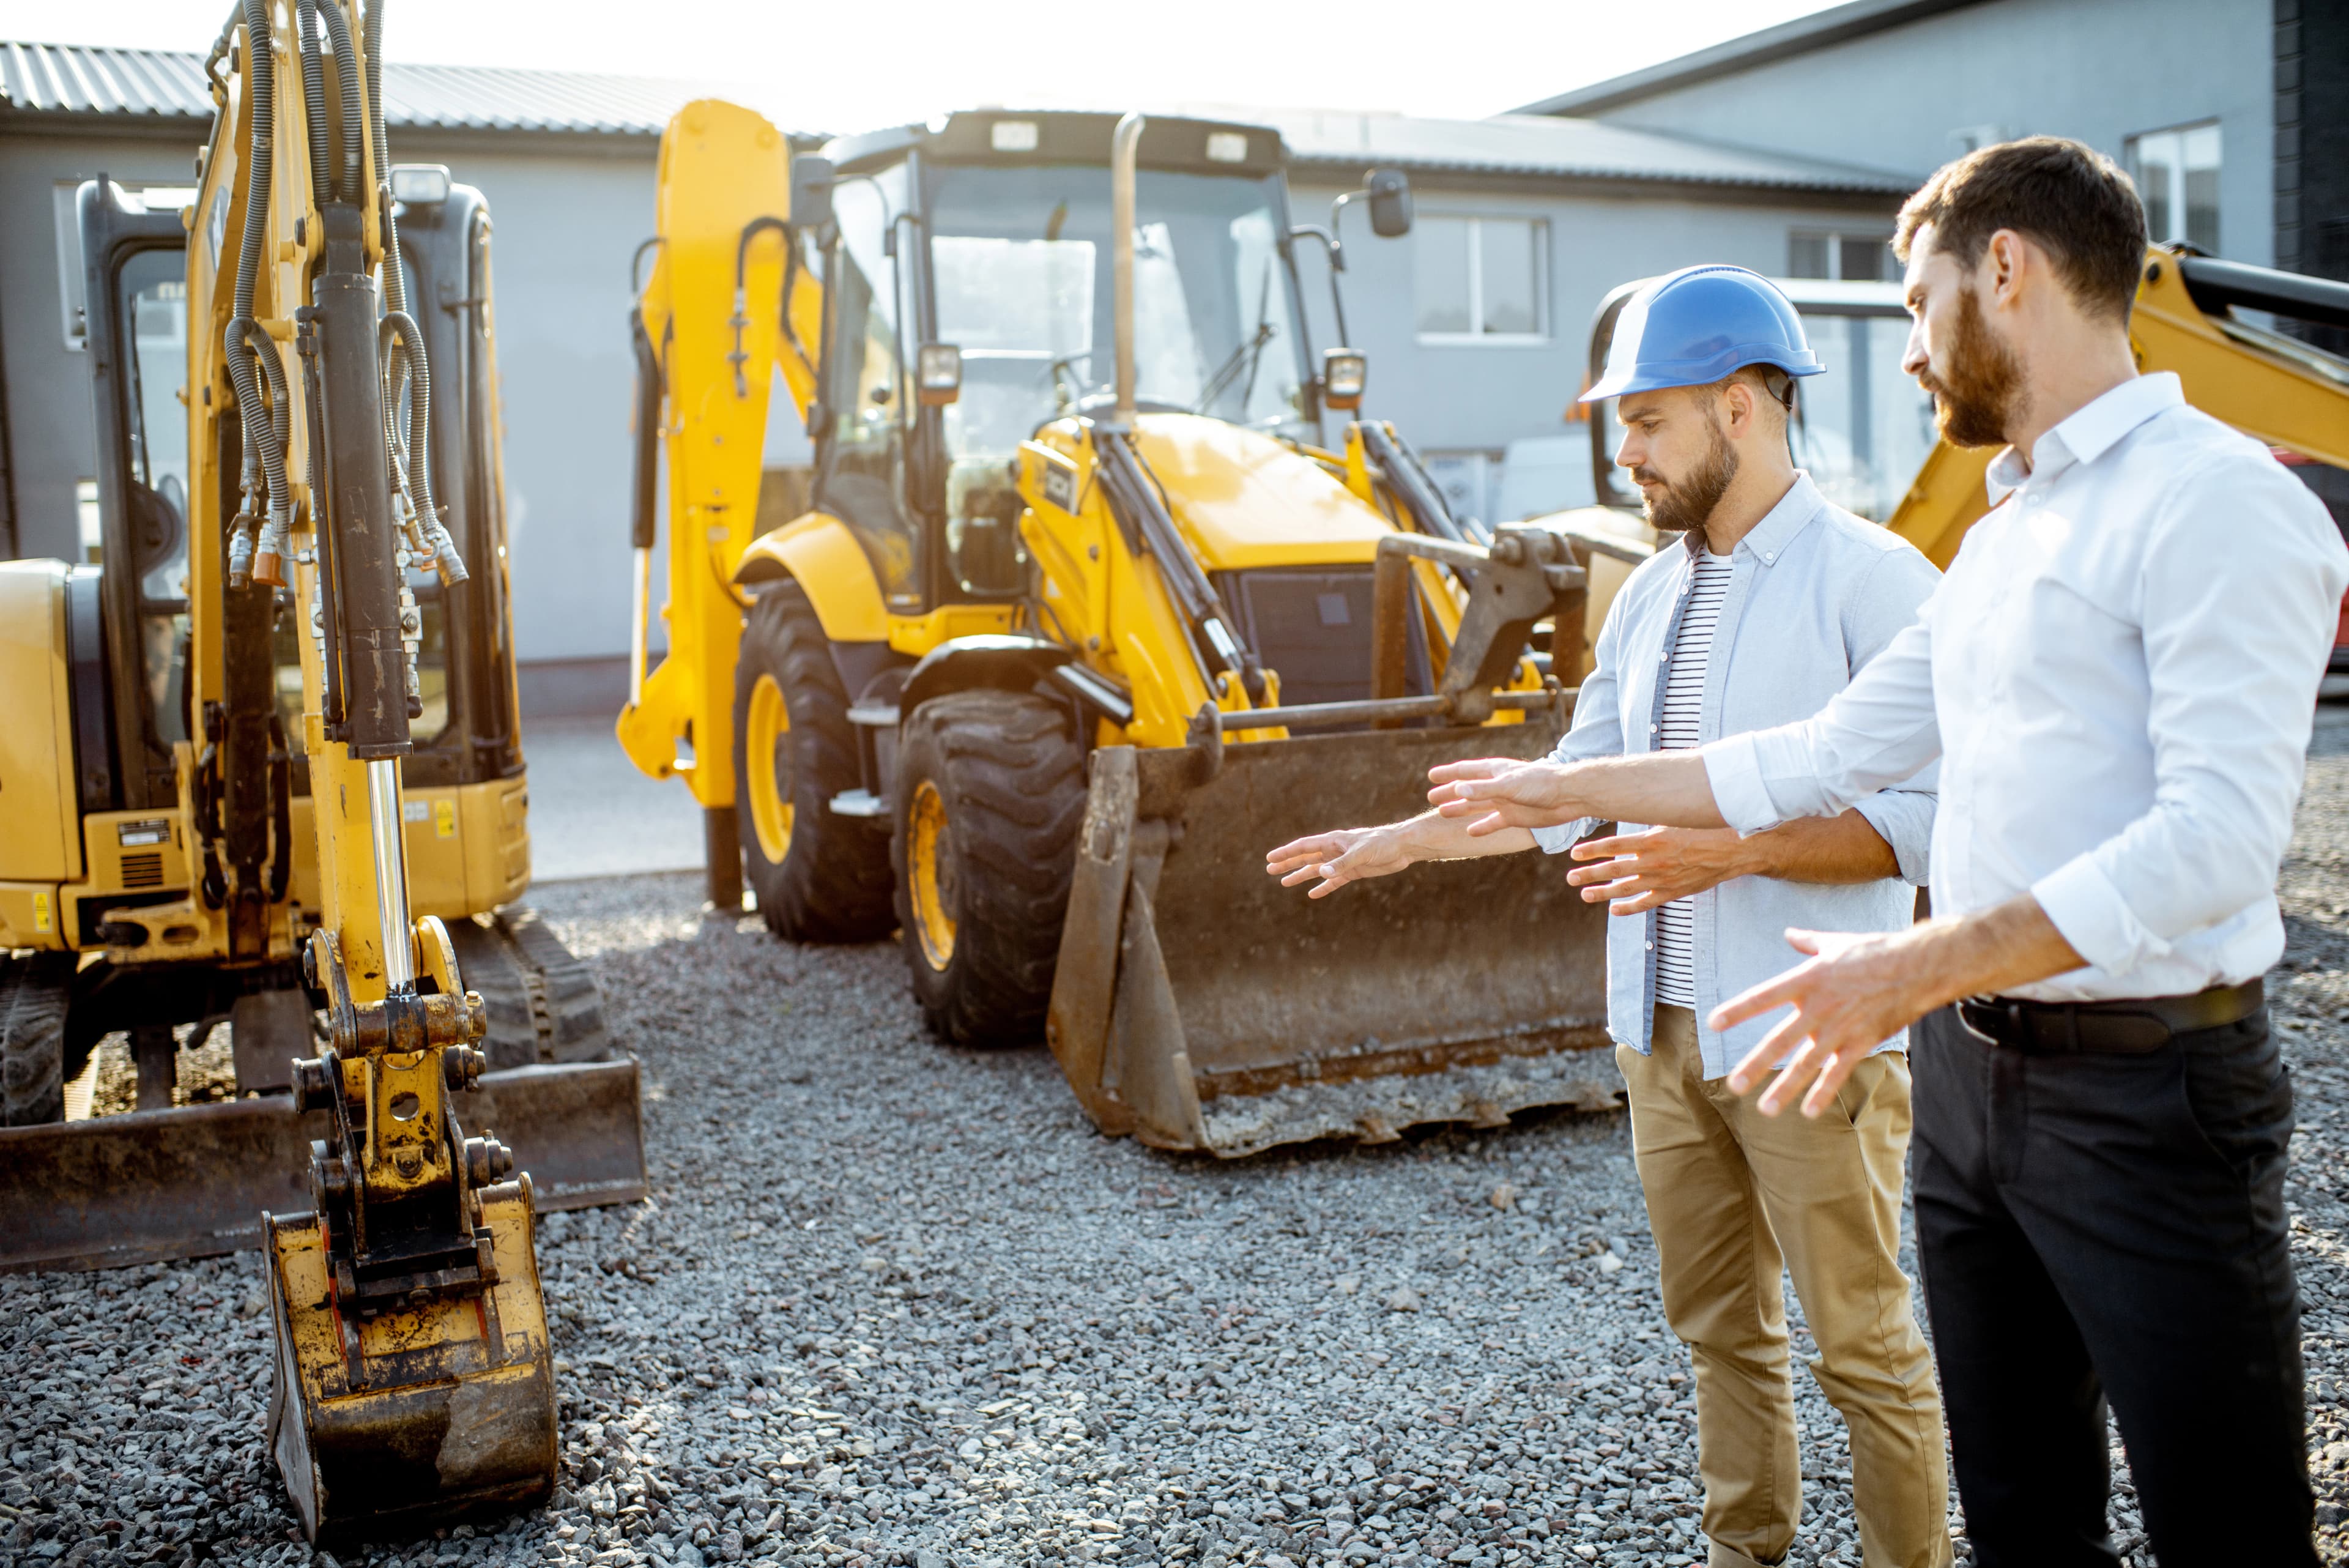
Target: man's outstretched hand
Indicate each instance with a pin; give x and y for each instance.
(1858, 989)
(1347, 855)
(1495, 793)
(1632, 873)
(1856, 992)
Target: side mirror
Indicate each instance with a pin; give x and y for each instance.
(938, 374)
(811, 183)
(1345, 373)
(1390, 190)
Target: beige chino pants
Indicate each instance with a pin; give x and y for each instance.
(1734, 1197)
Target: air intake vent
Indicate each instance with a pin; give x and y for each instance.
(142, 870)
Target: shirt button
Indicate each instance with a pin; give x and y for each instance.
(1767, 558)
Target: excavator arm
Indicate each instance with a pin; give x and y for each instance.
(2273, 388)
(729, 311)
(412, 1380)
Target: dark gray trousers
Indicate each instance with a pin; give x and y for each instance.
(2106, 1227)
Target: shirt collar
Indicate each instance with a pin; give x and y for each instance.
(1768, 539)
(2089, 433)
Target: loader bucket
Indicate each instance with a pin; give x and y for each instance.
(1198, 1004)
(195, 1181)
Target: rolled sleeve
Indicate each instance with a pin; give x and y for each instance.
(1734, 768)
(2094, 916)
(1904, 819)
(1566, 836)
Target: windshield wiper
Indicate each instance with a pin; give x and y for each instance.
(1243, 357)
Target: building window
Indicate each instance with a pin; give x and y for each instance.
(2177, 175)
(1481, 279)
(1814, 253)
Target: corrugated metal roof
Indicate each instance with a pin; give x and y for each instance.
(51, 80)
(1545, 146)
(162, 86)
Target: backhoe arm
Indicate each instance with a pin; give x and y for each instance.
(728, 308)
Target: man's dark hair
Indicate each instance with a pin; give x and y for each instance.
(2072, 200)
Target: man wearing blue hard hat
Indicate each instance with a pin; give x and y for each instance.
(1768, 602)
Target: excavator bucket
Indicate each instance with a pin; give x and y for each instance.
(1199, 1004)
(413, 1418)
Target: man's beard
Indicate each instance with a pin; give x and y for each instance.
(1975, 403)
(1688, 504)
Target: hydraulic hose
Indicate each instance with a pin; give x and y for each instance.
(314, 103)
(261, 425)
(400, 325)
(347, 77)
(395, 282)
(410, 361)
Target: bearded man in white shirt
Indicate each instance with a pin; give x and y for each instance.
(2117, 677)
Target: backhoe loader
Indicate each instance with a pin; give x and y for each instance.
(262, 761)
(2278, 388)
(1085, 617)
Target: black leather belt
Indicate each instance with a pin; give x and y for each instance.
(2131, 1026)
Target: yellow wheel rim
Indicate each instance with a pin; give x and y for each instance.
(768, 731)
(929, 874)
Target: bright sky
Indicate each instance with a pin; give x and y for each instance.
(867, 63)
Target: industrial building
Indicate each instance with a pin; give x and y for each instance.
(1475, 324)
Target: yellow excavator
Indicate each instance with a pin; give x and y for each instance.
(2279, 389)
(261, 762)
(1086, 615)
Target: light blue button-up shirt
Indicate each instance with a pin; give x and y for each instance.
(1813, 593)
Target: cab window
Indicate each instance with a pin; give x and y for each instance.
(863, 476)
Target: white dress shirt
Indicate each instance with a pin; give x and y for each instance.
(2119, 676)
(1814, 594)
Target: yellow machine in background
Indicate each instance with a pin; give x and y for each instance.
(302, 599)
(1086, 618)
(2273, 388)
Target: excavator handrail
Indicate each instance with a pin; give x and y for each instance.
(2217, 285)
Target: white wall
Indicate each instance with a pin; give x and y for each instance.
(1475, 397)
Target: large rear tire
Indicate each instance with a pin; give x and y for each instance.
(990, 793)
(820, 877)
(35, 992)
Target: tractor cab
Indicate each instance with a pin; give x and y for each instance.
(968, 270)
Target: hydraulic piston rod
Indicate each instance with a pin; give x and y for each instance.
(391, 873)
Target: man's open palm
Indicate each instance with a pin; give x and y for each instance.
(1346, 855)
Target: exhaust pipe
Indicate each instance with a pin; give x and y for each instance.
(1124, 145)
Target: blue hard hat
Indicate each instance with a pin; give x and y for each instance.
(1693, 327)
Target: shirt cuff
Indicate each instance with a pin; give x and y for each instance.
(1734, 768)
(2090, 912)
(1563, 836)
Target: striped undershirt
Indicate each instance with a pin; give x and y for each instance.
(1683, 703)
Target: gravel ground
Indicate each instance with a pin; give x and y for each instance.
(894, 1304)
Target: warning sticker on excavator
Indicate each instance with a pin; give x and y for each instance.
(40, 913)
(444, 818)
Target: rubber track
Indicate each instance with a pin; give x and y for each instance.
(1013, 778)
(36, 993)
(834, 885)
(542, 1000)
